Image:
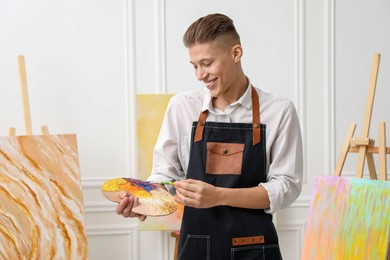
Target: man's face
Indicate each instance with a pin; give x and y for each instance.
(215, 65)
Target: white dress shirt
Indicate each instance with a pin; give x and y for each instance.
(283, 139)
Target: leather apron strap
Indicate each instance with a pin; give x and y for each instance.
(255, 117)
(255, 120)
(200, 126)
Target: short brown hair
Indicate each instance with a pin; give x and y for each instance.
(209, 28)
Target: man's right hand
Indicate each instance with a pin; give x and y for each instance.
(125, 207)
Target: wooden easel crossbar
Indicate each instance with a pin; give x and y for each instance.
(364, 145)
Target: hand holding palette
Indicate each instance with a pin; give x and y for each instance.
(153, 200)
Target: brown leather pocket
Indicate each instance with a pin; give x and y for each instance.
(224, 158)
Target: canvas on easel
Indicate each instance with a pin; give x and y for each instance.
(41, 210)
(150, 113)
(349, 218)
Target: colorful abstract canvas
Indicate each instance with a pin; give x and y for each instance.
(349, 218)
(41, 210)
(150, 114)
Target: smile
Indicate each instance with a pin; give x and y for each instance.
(210, 84)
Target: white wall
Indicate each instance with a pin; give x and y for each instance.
(86, 61)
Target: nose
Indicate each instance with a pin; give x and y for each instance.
(200, 73)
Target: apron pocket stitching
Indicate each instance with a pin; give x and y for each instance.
(190, 236)
(235, 250)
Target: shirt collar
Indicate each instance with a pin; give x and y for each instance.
(245, 100)
(207, 105)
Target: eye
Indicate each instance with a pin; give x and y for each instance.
(205, 65)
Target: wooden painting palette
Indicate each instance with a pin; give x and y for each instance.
(153, 200)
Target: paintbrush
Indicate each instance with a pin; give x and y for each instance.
(162, 182)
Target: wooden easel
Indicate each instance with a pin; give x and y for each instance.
(33, 163)
(25, 101)
(364, 145)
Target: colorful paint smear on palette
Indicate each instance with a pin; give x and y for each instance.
(153, 200)
(348, 219)
(136, 187)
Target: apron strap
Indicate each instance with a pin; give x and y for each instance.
(255, 117)
(255, 120)
(200, 126)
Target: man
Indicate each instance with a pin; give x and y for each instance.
(234, 151)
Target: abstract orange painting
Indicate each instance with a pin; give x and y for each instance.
(41, 210)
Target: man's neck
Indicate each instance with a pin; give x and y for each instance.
(223, 101)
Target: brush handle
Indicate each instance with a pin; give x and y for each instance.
(162, 183)
(167, 182)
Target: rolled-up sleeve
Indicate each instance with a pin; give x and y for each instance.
(166, 162)
(284, 178)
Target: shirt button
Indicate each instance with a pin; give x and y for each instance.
(225, 151)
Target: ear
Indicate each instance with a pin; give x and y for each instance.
(237, 52)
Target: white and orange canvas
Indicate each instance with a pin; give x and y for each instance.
(41, 210)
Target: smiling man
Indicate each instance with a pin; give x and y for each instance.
(234, 151)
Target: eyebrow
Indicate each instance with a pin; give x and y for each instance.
(202, 60)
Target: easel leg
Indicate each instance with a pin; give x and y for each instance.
(370, 163)
(382, 151)
(44, 130)
(367, 116)
(344, 150)
(360, 163)
(26, 102)
(11, 131)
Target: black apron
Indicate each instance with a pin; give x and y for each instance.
(231, 155)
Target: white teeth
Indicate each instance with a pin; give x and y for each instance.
(210, 83)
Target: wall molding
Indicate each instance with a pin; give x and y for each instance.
(130, 230)
(299, 228)
(99, 206)
(160, 69)
(131, 90)
(131, 84)
(93, 182)
(111, 229)
(301, 202)
(329, 86)
(164, 243)
(300, 73)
